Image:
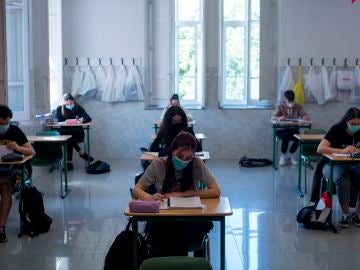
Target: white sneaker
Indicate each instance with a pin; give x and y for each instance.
(293, 159)
(282, 160)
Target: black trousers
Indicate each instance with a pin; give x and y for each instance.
(287, 135)
(77, 136)
(173, 238)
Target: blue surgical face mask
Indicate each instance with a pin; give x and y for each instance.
(353, 129)
(70, 106)
(4, 128)
(179, 164)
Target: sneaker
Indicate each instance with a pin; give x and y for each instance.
(355, 219)
(293, 159)
(70, 166)
(87, 157)
(345, 221)
(282, 160)
(3, 237)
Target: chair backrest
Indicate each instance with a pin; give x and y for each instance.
(176, 263)
(311, 149)
(47, 152)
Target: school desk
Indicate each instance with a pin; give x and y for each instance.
(305, 139)
(215, 209)
(85, 126)
(157, 124)
(284, 125)
(62, 139)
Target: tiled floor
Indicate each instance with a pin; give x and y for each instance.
(262, 233)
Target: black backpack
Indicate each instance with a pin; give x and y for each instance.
(98, 167)
(33, 219)
(120, 254)
(254, 162)
(315, 219)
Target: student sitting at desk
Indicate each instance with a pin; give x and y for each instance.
(14, 139)
(177, 175)
(175, 101)
(344, 138)
(286, 111)
(174, 121)
(72, 110)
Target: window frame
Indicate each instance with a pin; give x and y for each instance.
(197, 102)
(247, 102)
(23, 7)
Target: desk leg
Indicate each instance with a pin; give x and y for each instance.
(64, 194)
(135, 251)
(88, 144)
(274, 148)
(299, 172)
(222, 243)
(331, 184)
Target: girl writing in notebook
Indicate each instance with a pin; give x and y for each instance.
(344, 138)
(177, 175)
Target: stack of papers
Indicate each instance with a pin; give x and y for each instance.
(4, 150)
(189, 202)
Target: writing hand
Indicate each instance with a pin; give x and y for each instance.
(12, 146)
(158, 197)
(282, 118)
(350, 149)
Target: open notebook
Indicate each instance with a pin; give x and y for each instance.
(181, 203)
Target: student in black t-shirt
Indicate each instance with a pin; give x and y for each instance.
(344, 138)
(175, 120)
(14, 139)
(70, 109)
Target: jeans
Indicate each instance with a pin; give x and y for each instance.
(344, 177)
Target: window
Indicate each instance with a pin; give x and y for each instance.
(239, 83)
(176, 52)
(189, 56)
(17, 54)
(55, 53)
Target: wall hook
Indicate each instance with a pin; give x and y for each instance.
(357, 61)
(323, 61)
(88, 59)
(99, 61)
(133, 60)
(311, 61)
(288, 61)
(345, 62)
(77, 61)
(110, 61)
(66, 61)
(300, 61)
(122, 61)
(334, 61)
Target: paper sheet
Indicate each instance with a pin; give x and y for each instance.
(4, 150)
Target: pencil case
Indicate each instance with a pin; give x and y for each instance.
(140, 206)
(71, 121)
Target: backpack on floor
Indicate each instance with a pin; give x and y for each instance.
(98, 167)
(33, 218)
(254, 162)
(120, 254)
(318, 216)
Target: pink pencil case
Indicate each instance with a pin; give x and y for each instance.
(71, 121)
(140, 206)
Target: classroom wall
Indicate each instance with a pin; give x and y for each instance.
(120, 129)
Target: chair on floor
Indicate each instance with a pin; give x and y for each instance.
(309, 153)
(49, 154)
(176, 263)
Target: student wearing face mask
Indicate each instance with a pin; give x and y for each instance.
(14, 139)
(344, 138)
(175, 120)
(177, 175)
(70, 109)
(175, 101)
(286, 110)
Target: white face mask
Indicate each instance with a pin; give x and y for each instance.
(289, 104)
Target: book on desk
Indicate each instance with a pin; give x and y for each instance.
(182, 203)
